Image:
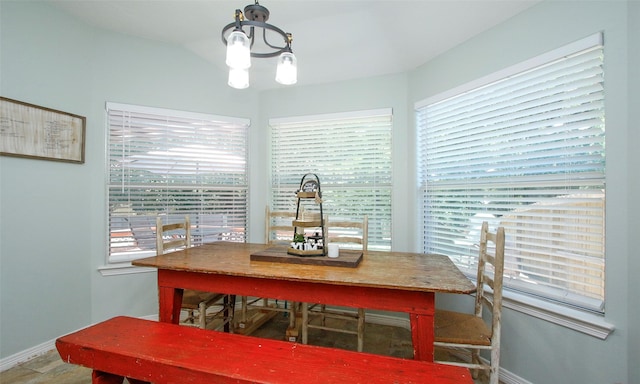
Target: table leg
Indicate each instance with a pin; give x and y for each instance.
(422, 336)
(170, 303)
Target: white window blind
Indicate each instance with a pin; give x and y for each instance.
(174, 163)
(350, 153)
(526, 152)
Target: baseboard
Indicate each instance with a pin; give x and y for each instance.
(389, 320)
(39, 350)
(507, 377)
(26, 355)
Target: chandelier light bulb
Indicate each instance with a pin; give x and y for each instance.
(238, 50)
(238, 78)
(287, 71)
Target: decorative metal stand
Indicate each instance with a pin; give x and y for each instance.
(313, 217)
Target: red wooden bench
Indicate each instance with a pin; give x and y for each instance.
(147, 351)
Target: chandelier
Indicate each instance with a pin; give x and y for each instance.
(256, 41)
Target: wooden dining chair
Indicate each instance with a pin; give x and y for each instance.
(470, 332)
(279, 226)
(352, 235)
(174, 236)
(278, 231)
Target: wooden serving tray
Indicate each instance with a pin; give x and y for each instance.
(347, 258)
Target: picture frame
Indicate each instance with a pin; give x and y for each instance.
(35, 132)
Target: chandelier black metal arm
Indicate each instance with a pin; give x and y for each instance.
(239, 23)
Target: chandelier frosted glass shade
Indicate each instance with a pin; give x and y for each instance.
(238, 51)
(287, 70)
(238, 78)
(249, 35)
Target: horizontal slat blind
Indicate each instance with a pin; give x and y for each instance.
(350, 153)
(174, 163)
(528, 153)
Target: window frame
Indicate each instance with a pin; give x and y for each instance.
(186, 126)
(590, 322)
(337, 184)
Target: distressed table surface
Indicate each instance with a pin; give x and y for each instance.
(396, 270)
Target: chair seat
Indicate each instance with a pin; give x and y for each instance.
(461, 328)
(192, 299)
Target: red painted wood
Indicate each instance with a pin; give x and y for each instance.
(170, 301)
(420, 305)
(422, 336)
(312, 292)
(165, 353)
(390, 281)
(98, 377)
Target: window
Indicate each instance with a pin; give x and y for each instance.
(350, 153)
(174, 163)
(527, 152)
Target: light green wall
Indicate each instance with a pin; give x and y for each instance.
(52, 215)
(533, 349)
(633, 144)
(49, 59)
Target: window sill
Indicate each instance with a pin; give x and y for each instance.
(587, 323)
(122, 269)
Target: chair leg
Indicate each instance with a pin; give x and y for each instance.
(202, 315)
(191, 318)
(361, 324)
(229, 312)
(243, 309)
(323, 321)
(475, 358)
(293, 308)
(305, 321)
(494, 372)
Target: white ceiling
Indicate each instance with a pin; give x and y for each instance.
(333, 40)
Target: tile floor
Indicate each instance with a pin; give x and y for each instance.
(379, 339)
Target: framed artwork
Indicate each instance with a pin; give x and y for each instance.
(35, 132)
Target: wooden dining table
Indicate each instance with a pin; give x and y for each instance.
(389, 281)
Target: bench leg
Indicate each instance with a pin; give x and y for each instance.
(136, 381)
(99, 377)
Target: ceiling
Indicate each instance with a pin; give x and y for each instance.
(333, 40)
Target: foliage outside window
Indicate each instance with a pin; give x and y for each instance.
(526, 152)
(350, 153)
(173, 163)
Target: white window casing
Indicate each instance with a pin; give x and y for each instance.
(523, 149)
(173, 163)
(351, 154)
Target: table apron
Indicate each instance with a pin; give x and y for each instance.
(419, 305)
(388, 299)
